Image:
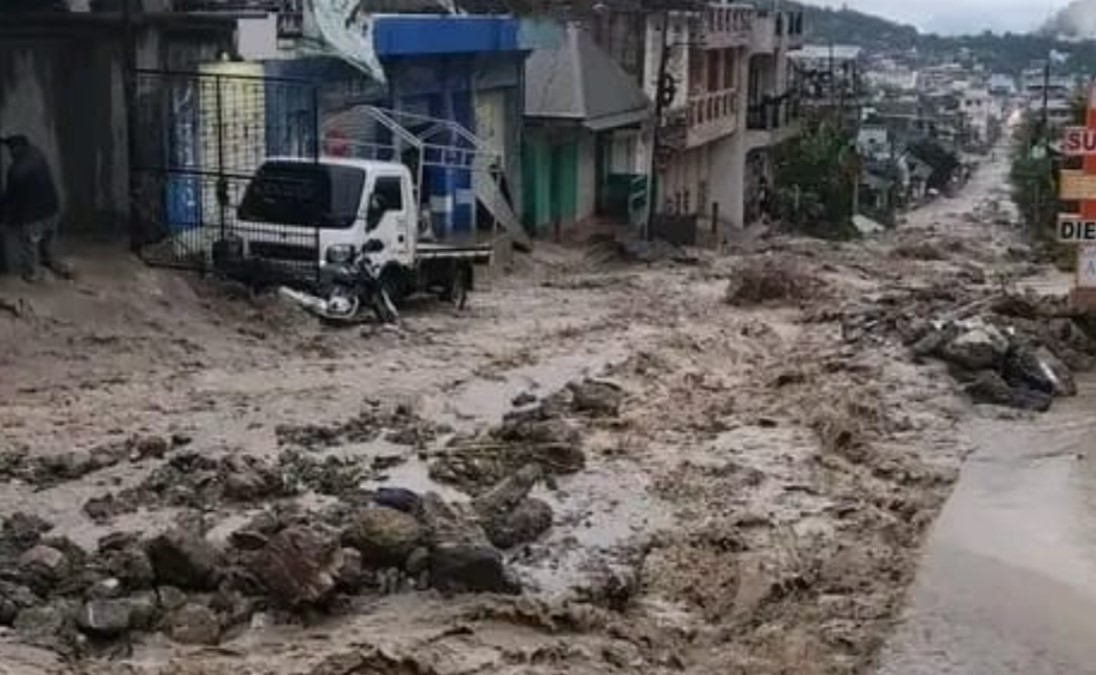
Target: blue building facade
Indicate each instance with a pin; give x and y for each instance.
(467, 69)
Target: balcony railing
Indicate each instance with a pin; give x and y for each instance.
(727, 26)
(704, 118)
(772, 113)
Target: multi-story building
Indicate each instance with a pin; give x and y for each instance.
(721, 72)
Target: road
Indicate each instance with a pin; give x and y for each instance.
(1008, 583)
(1008, 580)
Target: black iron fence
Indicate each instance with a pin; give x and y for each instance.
(199, 139)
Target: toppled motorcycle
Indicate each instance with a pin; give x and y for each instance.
(351, 288)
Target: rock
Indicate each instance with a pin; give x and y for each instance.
(185, 559)
(523, 399)
(979, 347)
(1029, 399)
(244, 478)
(170, 598)
(298, 567)
(459, 567)
(933, 340)
(400, 499)
(461, 556)
(24, 530)
(989, 387)
(245, 486)
(384, 536)
(131, 566)
(524, 524)
(43, 566)
(349, 574)
(179, 439)
(194, 624)
(13, 599)
(148, 446)
(596, 398)
(144, 610)
(1057, 372)
(248, 540)
(47, 625)
(105, 589)
(1024, 369)
(104, 618)
(508, 493)
(418, 562)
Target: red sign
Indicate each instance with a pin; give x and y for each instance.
(1079, 141)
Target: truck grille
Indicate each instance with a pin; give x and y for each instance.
(287, 252)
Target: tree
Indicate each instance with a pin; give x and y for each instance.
(816, 180)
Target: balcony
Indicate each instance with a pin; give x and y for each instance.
(727, 26)
(776, 30)
(710, 116)
(772, 121)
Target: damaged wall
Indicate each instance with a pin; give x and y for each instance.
(61, 84)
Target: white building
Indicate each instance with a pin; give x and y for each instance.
(731, 105)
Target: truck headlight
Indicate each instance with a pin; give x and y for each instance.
(340, 253)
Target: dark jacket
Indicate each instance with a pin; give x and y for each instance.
(30, 194)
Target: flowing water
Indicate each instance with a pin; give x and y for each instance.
(1008, 582)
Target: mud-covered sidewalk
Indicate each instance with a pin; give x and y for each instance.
(717, 465)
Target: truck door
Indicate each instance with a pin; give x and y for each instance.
(389, 218)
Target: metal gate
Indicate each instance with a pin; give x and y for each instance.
(200, 138)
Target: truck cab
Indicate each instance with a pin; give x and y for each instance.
(309, 214)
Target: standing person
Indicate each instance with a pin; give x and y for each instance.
(30, 204)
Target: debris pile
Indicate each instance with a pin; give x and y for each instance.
(283, 562)
(1004, 348)
(772, 278)
(545, 433)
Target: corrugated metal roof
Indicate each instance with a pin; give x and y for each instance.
(577, 80)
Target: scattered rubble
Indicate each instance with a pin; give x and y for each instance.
(774, 278)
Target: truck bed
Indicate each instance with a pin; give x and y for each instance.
(432, 250)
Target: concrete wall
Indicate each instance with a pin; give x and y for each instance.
(61, 84)
(66, 96)
(586, 177)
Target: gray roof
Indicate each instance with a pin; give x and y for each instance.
(576, 80)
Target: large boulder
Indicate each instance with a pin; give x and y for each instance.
(43, 567)
(185, 559)
(505, 496)
(105, 618)
(384, 536)
(194, 624)
(462, 558)
(526, 523)
(596, 398)
(507, 514)
(299, 566)
(978, 346)
(989, 387)
(1057, 372)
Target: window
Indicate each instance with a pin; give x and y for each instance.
(713, 70)
(388, 193)
(303, 193)
(728, 69)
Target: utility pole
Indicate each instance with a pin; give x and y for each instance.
(660, 95)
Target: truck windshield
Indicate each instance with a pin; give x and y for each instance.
(303, 193)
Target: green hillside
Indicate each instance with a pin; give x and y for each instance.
(1004, 53)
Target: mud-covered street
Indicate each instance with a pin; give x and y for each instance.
(701, 465)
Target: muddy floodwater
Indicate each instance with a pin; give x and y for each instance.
(1008, 582)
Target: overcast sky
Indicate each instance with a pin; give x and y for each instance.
(959, 16)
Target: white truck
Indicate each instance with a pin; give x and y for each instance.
(300, 217)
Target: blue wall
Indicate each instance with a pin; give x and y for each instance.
(423, 35)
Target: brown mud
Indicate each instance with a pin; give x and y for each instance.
(685, 466)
